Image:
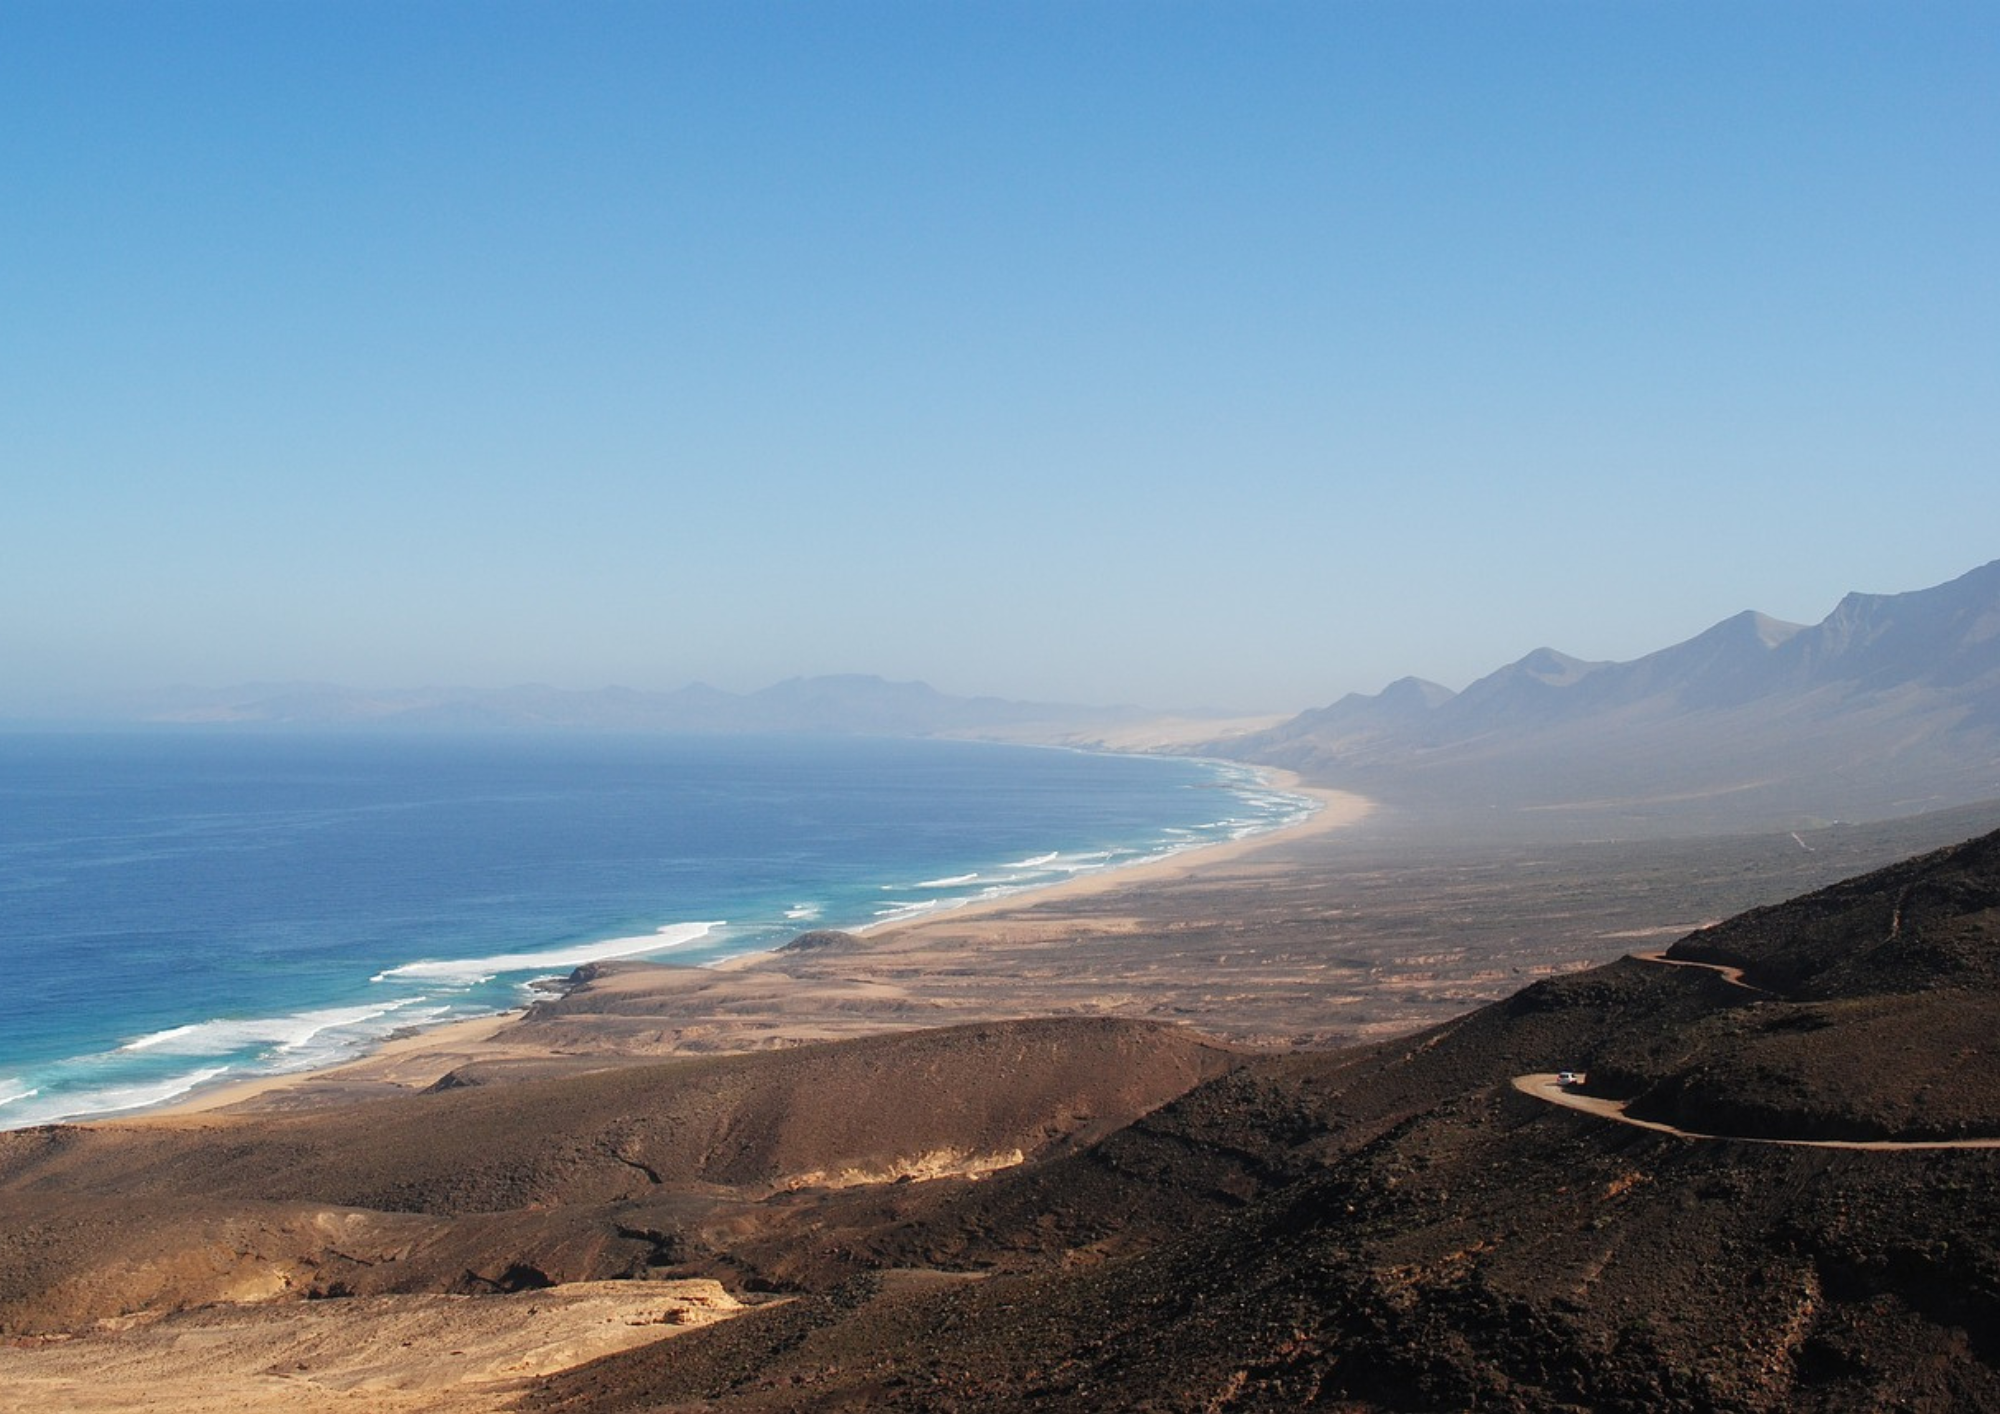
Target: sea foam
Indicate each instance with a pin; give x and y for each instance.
(109, 1099)
(284, 1033)
(472, 970)
(351, 968)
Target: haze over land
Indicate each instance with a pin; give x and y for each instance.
(1181, 355)
(966, 370)
(1890, 705)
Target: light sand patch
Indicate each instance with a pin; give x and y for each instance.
(395, 1354)
(938, 1163)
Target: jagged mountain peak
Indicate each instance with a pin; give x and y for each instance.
(844, 704)
(1944, 636)
(1416, 693)
(1522, 689)
(1751, 624)
(1888, 705)
(1557, 669)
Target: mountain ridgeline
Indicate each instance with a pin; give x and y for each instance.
(849, 704)
(1889, 706)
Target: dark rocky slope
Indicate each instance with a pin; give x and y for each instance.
(1395, 1227)
(1401, 1229)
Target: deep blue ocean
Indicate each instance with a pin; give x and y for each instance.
(177, 909)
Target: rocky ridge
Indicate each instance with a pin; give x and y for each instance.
(1393, 1227)
(1888, 706)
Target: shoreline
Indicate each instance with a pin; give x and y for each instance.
(412, 1062)
(1335, 809)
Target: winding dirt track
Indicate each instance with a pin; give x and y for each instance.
(1731, 975)
(1544, 1086)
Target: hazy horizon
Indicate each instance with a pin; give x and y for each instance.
(175, 702)
(1187, 356)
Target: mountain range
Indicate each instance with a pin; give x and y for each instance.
(840, 704)
(1889, 705)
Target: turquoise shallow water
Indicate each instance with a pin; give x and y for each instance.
(178, 909)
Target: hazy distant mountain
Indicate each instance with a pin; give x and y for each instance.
(849, 704)
(1889, 705)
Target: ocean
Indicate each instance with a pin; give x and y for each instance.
(183, 908)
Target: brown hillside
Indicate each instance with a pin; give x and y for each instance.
(1395, 1227)
(495, 1187)
(1400, 1229)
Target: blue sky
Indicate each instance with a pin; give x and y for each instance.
(1240, 354)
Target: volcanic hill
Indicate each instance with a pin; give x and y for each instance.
(1088, 1215)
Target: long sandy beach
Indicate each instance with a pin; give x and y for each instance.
(1071, 948)
(1339, 929)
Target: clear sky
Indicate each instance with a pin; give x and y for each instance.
(1179, 353)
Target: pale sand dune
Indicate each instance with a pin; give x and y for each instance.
(394, 1354)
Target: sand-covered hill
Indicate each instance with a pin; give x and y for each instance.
(1087, 1214)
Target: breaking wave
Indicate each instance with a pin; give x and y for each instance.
(472, 970)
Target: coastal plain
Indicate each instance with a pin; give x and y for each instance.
(1353, 926)
(1040, 1118)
